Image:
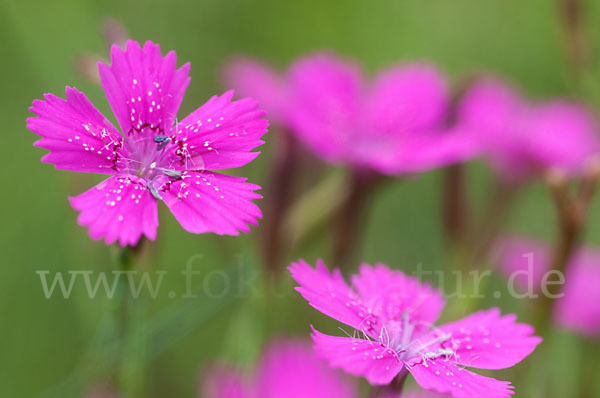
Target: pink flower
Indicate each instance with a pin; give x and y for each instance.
(393, 317)
(524, 260)
(288, 369)
(579, 307)
(393, 126)
(157, 157)
(522, 138)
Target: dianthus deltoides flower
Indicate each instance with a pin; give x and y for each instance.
(157, 157)
(393, 125)
(523, 138)
(288, 369)
(526, 261)
(393, 316)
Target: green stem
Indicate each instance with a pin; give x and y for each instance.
(280, 190)
(571, 214)
(348, 223)
(572, 14)
(589, 386)
(455, 208)
(492, 221)
(128, 313)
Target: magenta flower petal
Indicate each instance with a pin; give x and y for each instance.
(447, 378)
(218, 135)
(329, 294)
(290, 369)
(119, 209)
(326, 99)
(487, 340)
(252, 78)
(77, 135)
(389, 294)
(144, 88)
(370, 359)
(579, 308)
(408, 98)
(489, 106)
(212, 202)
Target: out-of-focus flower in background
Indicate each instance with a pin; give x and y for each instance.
(393, 316)
(287, 369)
(396, 125)
(521, 138)
(155, 158)
(527, 261)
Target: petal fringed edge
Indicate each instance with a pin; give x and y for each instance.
(120, 208)
(77, 135)
(211, 202)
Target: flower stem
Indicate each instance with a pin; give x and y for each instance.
(572, 213)
(392, 390)
(483, 237)
(279, 197)
(455, 204)
(128, 315)
(455, 208)
(589, 386)
(572, 16)
(350, 215)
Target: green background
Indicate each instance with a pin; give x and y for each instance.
(45, 344)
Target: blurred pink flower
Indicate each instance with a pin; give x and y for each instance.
(579, 307)
(394, 126)
(525, 260)
(522, 138)
(157, 158)
(288, 369)
(393, 316)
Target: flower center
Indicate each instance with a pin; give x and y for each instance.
(150, 158)
(405, 338)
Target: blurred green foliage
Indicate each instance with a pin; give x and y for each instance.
(44, 342)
